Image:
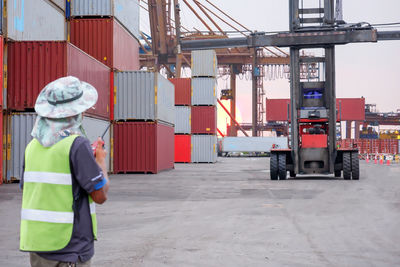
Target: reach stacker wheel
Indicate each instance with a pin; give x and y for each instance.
(273, 170)
(346, 166)
(282, 167)
(355, 166)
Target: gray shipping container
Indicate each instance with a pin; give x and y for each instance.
(19, 128)
(203, 91)
(204, 63)
(37, 20)
(252, 144)
(142, 95)
(125, 11)
(182, 120)
(204, 148)
(95, 128)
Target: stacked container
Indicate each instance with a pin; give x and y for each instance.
(143, 129)
(108, 30)
(204, 111)
(182, 119)
(26, 22)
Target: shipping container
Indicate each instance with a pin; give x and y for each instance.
(2, 106)
(125, 11)
(1, 22)
(141, 95)
(19, 128)
(95, 128)
(107, 41)
(204, 63)
(277, 109)
(203, 91)
(253, 144)
(3, 155)
(37, 20)
(142, 147)
(32, 65)
(204, 148)
(204, 120)
(183, 148)
(182, 120)
(348, 109)
(182, 91)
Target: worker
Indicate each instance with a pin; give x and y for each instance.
(62, 179)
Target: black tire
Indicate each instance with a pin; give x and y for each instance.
(338, 173)
(273, 166)
(292, 174)
(355, 166)
(346, 166)
(282, 167)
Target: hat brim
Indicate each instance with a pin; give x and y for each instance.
(88, 99)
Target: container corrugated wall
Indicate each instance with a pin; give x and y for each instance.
(32, 65)
(182, 91)
(142, 147)
(126, 11)
(95, 128)
(107, 41)
(253, 144)
(204, 63)
(204, 120)
(182, 120)
(204, 148)
(203, 91)
(37, 20)
(19, 130)
(141, 95)
(183, 148)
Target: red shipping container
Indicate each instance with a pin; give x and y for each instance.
(183, 148)
(204, 120)
(143, 147)
(107, 41)
(182, 91)
(32, 65)
(1, 108)
(277, 109)
(348, 109)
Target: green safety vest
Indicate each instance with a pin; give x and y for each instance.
(47, 215)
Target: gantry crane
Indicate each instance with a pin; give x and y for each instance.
(313, 99)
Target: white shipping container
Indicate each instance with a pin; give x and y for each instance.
(204, 63)
(142, 95)
(252, 144)
(204, 91)
(95, 128)
(60, 4)
(125, 11)
(37, 20)
(204, 148)
(182, 120)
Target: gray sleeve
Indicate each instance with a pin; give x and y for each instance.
(84, 166)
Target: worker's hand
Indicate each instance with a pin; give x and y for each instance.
(101, 153)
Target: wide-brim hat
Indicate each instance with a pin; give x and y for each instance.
(65, 97)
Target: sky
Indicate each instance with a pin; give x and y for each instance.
(371, 70)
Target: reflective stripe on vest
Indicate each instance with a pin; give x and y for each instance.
(47, 216)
